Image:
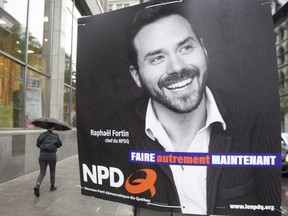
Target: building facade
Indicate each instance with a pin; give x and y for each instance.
(37, 76)
(119, 4)
(280, 20)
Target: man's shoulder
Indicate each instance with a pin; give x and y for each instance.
(136, 106)
(130, 114)
(232, 98)
(235, 106)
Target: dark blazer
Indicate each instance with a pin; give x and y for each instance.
(250, 129)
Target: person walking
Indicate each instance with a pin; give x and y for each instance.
(48, 142)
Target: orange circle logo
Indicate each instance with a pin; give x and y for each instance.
(141, 185)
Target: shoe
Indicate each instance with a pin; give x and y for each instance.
(52, 188)
(36, 191)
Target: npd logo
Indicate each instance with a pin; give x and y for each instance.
(100, 174)
(140, 185)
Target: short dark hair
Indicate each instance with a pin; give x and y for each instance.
(146, 17)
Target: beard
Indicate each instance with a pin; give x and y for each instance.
(182, 103)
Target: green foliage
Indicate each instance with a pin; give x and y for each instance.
(283, 100)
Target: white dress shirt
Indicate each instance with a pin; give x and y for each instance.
(190, 181)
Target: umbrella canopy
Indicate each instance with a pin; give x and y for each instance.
(44, 122)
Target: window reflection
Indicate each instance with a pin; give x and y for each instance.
(13, 27)
(38, 37)
(74, 48)
(281, 57)
(68, 46)
(35, 100)
(73, 109)
(17, 107)
(70, 65)
(11, 94)
(66, 110)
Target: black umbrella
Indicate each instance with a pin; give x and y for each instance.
(43, 122)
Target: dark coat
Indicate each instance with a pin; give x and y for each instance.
(250, 129)
(48, 142)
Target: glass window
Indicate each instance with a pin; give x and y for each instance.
(11, 94)
(282, 79)
(38, 47)
(74, 49)
(73, 110)
(281, 33)
(66, 109)
(35, 97)
(13, 27)
(119, 6)
(69, 108)
(281, 56)
(110, 7)
(68, 48)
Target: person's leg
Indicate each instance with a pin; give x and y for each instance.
(52, 166)
(43, 168)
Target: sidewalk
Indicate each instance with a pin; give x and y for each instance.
(18, 199)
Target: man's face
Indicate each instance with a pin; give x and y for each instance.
(172, 64)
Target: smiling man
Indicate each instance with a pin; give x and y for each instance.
(172, 66)
(180, 113)
(172, 69)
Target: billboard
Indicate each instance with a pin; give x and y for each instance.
(178, 107)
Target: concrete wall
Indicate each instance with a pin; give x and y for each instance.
(19, 153)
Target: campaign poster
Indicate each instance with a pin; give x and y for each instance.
(178, 108)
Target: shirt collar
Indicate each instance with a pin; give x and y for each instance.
(151, 121)
(213, 115)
